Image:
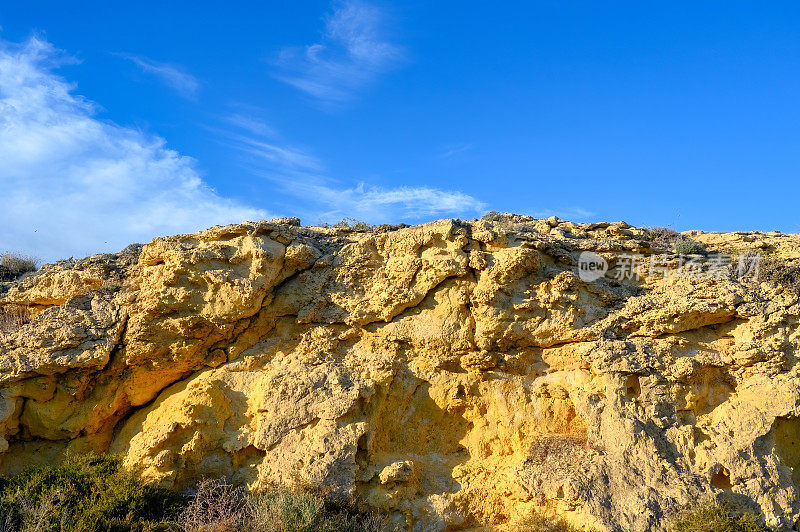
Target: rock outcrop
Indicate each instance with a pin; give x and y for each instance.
(455, 374)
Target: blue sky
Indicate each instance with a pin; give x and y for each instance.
(124, 121)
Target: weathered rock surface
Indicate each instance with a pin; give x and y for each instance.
(457, 374)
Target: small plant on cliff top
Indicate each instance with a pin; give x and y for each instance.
(13, 265)
(351, 224)
(716, 516)
(687, 246)
(778, 271)
(661, 237)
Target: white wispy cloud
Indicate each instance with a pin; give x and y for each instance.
(567, 213)
(382, 205)
(282, 156)
(73, 184)
(454, 149)
(251, 124)
(301, 175)
(173, 76)
(353, 51)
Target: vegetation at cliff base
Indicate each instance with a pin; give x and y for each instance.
(221, 507)
(94, 493)
(84, 493)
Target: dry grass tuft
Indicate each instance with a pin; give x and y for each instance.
(557, 447)
(13, 266)
(779, 272)
(538, 523)
(661, 237)
(13, 317)
(217, 506)
(717, 516)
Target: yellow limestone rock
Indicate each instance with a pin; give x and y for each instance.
(455, 374)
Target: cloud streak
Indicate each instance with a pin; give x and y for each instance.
(301, 175)
(73, 184)
(455, 149)
(249, 123)
(352, 53)
(382, 205)
(172, 76)
(567, 213)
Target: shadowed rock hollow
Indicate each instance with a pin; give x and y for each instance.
(456, 374)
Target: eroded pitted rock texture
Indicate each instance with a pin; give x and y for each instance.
(455, 374)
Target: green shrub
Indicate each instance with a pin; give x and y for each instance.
(94, 493)
(281, 509)
(85, 493)
(111, 287)
(351, 224)
(716, 516)
(218, 506)
(687, 246)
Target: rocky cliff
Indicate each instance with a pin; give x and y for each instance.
(456, 374)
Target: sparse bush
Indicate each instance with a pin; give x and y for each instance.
(110, 287)
(94, 493)
(386, 228)
(283, 510)
(556, 447)
(13, 266)
(770, 268)
(662, 237)
(687, 246)
(778, 271)
(491, 216)
(12, 317)
(717, 516)
(85, 493)
(350, 224)
(538, 523)
(216, 506)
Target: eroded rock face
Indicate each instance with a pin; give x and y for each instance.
(456, 374)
